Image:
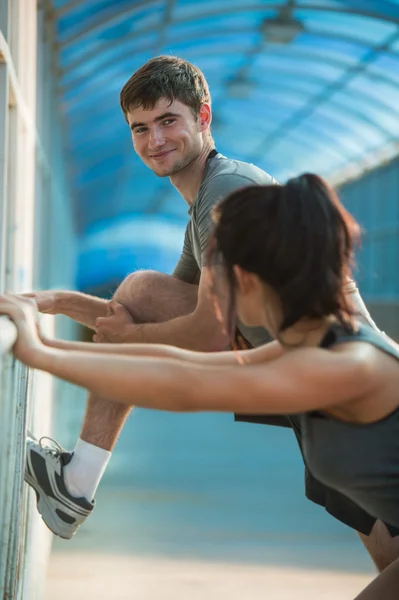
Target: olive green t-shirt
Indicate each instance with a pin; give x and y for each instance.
(221, 177)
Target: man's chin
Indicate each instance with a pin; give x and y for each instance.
(167, 172)
(159, 174)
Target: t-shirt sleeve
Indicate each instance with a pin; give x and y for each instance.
(216, 189)
(187, 268)
(352, 291)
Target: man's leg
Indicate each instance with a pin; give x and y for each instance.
(150, 297)
(65, 482)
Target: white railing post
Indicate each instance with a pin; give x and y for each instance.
(24, 541)
(12, 421)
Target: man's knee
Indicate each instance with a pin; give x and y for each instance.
(151, 296)
(137, 292)
(135, 286)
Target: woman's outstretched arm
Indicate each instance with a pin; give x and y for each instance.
(300, 380)
(259, 355)
(306, 379)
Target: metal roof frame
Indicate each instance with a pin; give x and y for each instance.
(332, 71)
(103, 22)
(316, 101)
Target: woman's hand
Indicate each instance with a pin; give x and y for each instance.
(24, 313)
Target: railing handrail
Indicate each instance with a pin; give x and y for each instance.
(8, 335)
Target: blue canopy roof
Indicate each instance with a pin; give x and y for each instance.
(296, 85)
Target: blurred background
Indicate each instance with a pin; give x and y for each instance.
(191, 506)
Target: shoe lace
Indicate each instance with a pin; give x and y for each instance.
(54, 449)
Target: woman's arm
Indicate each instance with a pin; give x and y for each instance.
(259, 355)
(306, 379)
(300, 380)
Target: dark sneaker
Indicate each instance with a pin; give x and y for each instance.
(61, 512)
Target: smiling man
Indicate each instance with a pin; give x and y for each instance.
(167, 106)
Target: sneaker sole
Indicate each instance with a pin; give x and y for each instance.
(46, 512)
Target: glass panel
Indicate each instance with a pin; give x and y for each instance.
(135, 29)
(383, 254)
(350, 126)
(341, 135)
(220, 23)
(395, 46)
(219, 64)
(329, 47)
(335, 146)
(212, 44)
(185, 9)
(360, 28)
(113, 54)
(372, 109)
(311, 53)
(300, 64)
(243, 111)
(86, 16)
(364, 273)
(385, 64)
(91, 81)
(382, 91)
(383, 7)
(301, 155)
(60, 3)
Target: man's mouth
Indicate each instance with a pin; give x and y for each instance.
(159, 155)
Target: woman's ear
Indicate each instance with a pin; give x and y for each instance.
(245, 280)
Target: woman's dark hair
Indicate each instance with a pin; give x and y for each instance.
(298, 238)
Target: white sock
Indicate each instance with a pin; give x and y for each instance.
(83, 474)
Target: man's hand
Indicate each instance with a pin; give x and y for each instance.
(45, 301)
(80, 307)
(114, 328)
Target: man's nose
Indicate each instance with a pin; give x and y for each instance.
(156, 137)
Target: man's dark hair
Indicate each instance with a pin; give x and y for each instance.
(165, 77)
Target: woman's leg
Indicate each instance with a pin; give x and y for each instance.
(383, 587)
(382, 547)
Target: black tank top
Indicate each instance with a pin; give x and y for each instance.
(359, 460)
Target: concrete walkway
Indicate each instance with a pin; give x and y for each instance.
(197, 507)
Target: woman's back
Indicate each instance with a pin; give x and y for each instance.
(355, 449)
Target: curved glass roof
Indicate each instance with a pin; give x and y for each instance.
(296, 85)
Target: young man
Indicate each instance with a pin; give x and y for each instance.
(167, 106)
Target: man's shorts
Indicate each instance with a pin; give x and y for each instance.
(335, 503)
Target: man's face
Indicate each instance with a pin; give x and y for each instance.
(166, 138)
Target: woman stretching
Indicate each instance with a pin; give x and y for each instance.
(286, 253)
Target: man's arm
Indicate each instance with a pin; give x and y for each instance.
(80, 307)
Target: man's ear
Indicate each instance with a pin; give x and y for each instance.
(205, 116)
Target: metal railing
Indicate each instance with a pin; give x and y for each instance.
(14, 384)
(36, 251)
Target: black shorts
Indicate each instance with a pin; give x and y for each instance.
(335, 503)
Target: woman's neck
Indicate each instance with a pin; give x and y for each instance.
(305, 333)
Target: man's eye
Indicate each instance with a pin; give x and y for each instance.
(168, 121)
(140, 130)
